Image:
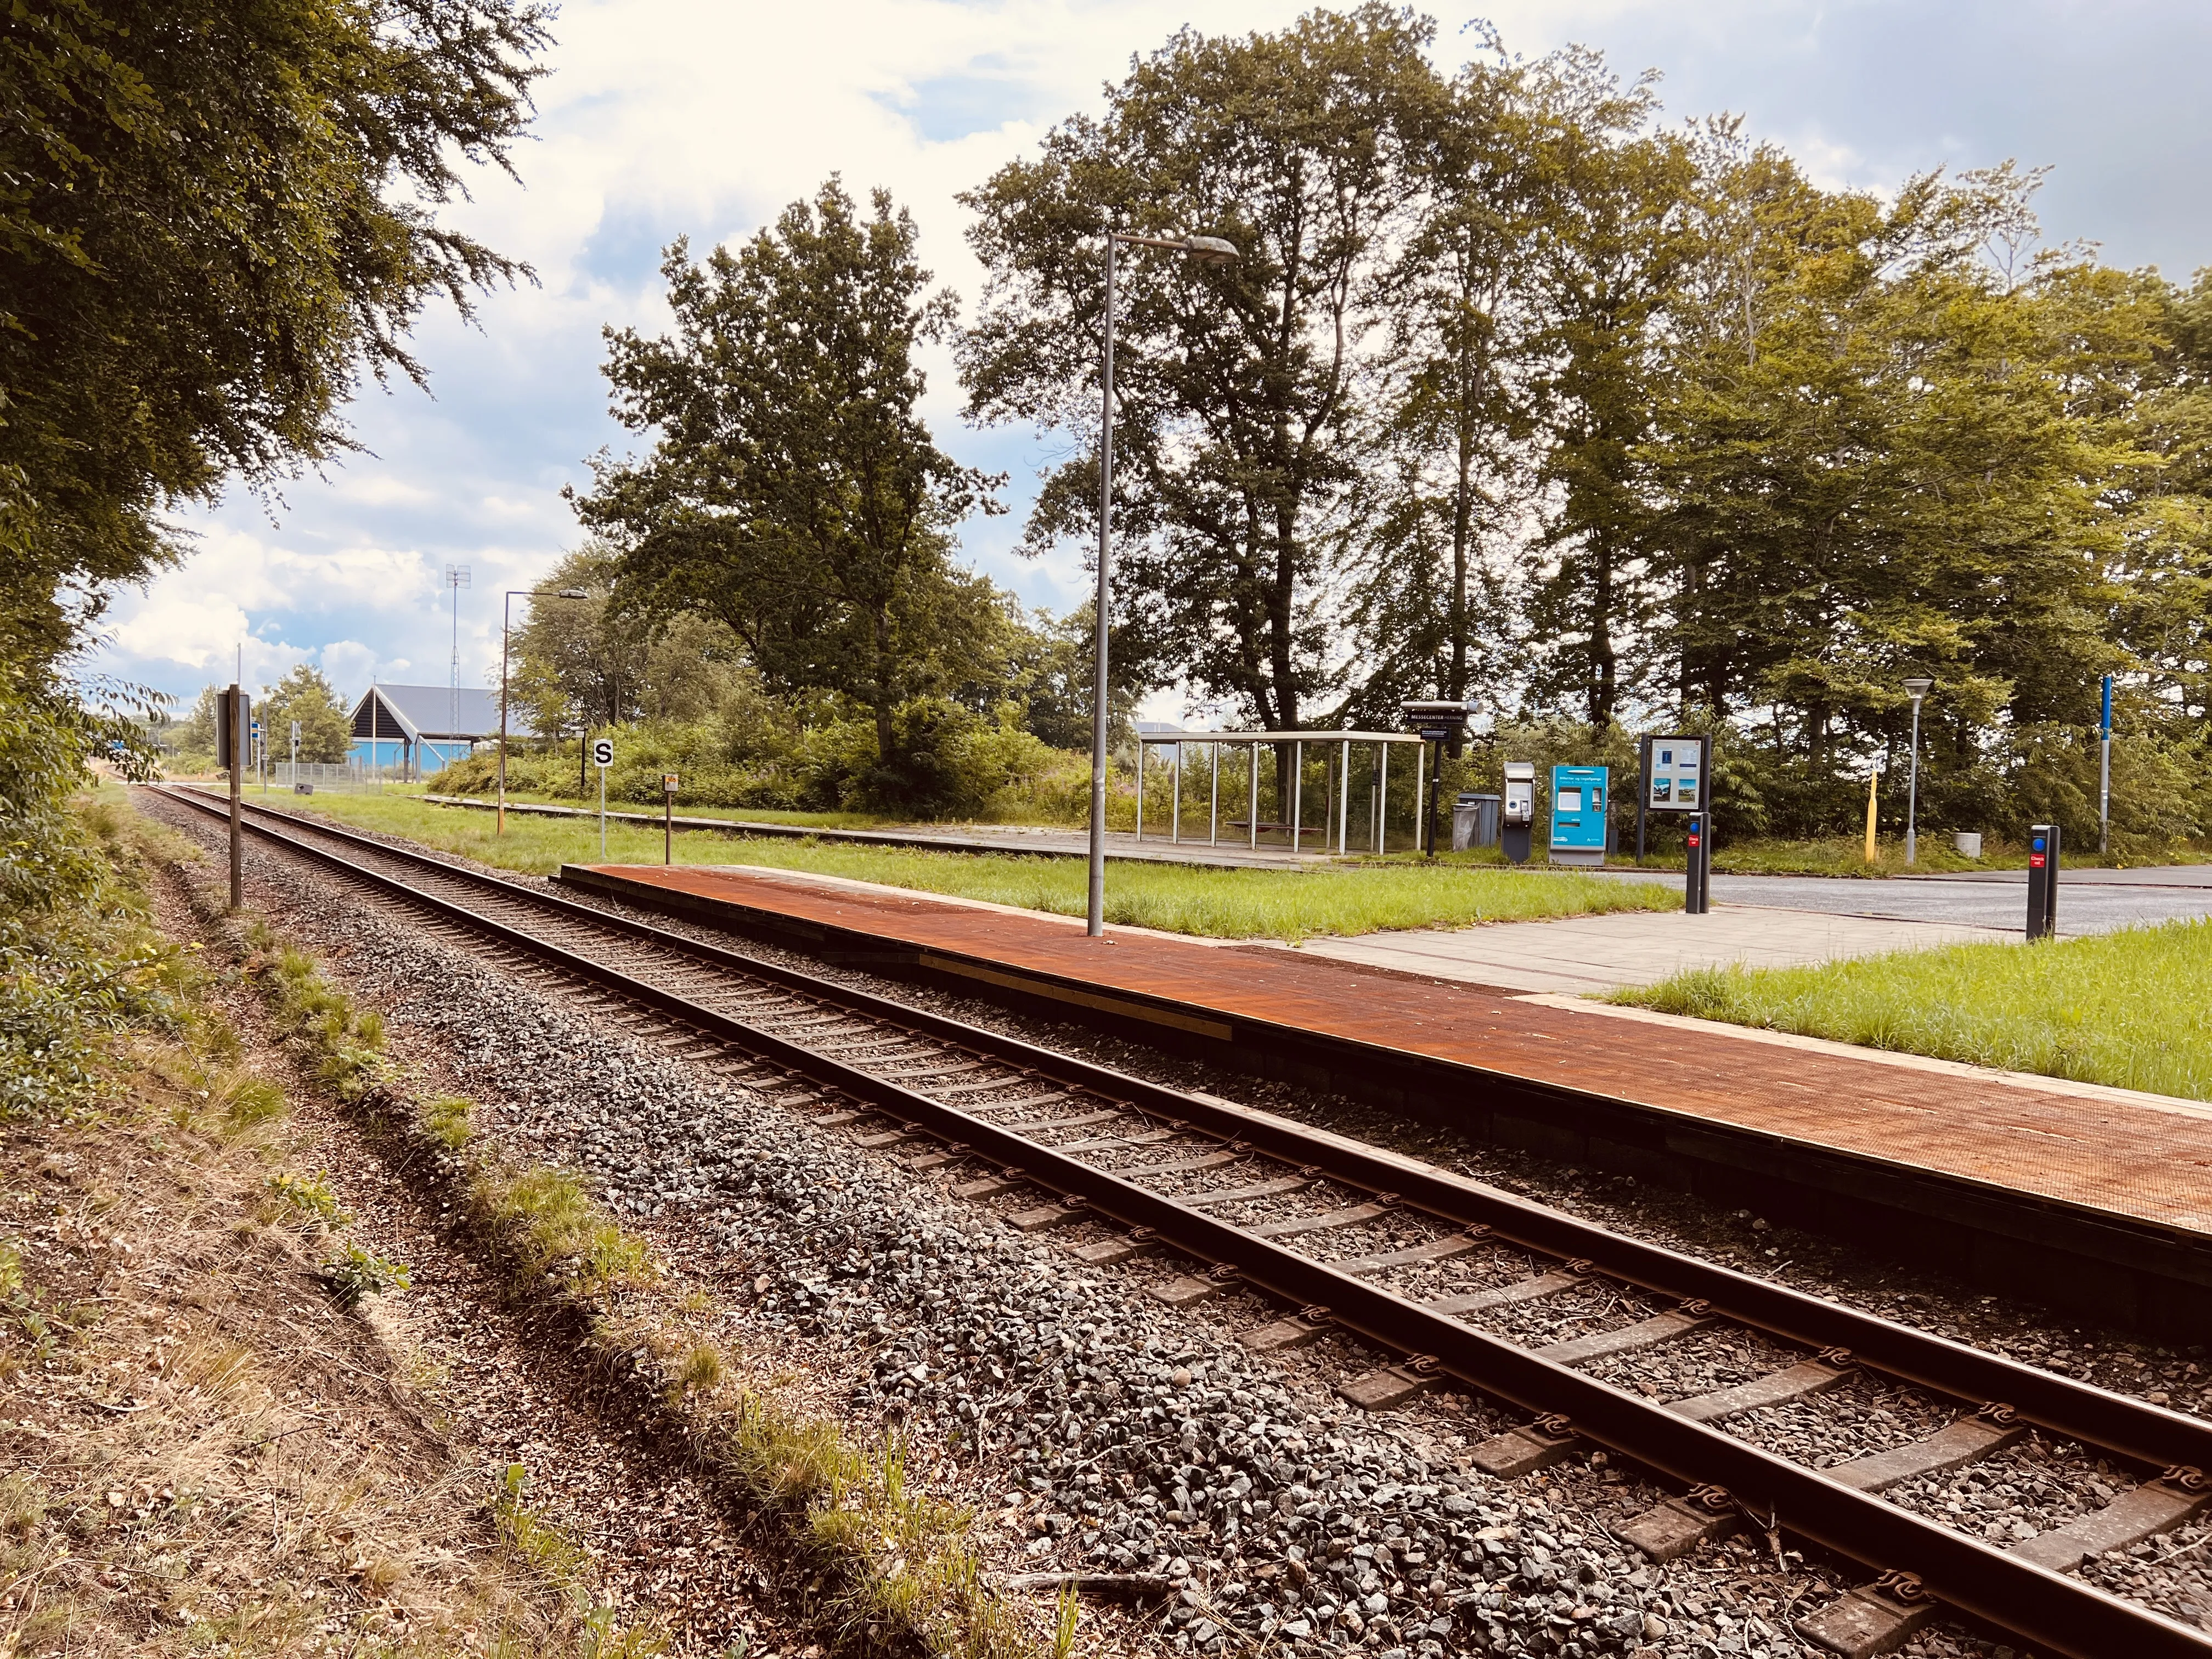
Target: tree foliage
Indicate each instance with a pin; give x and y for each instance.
(587, 664)
(1519, 392)
(793, 494)
(307, 696)
(211, 214)
(1239, 424)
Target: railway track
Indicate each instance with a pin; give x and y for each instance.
(1409, 1258)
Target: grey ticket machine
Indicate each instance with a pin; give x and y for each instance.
(1518, 816)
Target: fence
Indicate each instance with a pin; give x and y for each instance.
(335, 776)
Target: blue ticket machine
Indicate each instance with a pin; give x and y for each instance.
(1578, 807)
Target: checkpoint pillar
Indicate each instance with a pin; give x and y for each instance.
(1677, 779)
(2042, 880)
(1698, 877)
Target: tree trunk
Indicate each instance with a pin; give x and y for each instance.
(879, 702)
(1604, 667)
(1282, 661)
(1462, 532)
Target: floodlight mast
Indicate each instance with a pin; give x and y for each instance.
(1208, 250)
(457, 577)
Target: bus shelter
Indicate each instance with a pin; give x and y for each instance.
(1320, 792)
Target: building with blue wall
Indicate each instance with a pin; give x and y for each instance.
(414, 730)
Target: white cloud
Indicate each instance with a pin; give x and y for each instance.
(663, 117)
(350, 665)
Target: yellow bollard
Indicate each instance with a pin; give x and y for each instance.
(1873, 779)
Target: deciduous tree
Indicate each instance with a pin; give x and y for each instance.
(1241, 425)
(793, 492)
(307, 696)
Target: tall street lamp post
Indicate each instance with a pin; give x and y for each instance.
(505, 626)
(1210, 250)
(1916, 688)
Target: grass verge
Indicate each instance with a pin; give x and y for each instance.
(756, 814)
(2132, 1009)
(894, 1570)
(203, 1450)
(1281, 904)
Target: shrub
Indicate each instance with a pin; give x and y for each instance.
(312, 1197)
(946, 762)
(78, 958)
(355, 1274)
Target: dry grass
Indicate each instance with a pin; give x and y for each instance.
(199, 1452)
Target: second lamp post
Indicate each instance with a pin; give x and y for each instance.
(1214, 251)
(1917, 688)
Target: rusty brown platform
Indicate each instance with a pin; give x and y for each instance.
(2097, 1201)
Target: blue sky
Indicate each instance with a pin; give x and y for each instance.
(668, 117)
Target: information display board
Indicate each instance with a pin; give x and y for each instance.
(1676, 777)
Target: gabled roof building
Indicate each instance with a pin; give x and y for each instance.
(420, 728)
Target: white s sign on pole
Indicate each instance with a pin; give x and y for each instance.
(603, 755)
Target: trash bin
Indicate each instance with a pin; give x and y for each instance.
(1475, 821)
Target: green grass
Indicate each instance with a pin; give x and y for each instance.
(2132, 1009)
(1283, 904)
(753, 814)
(1842, 855)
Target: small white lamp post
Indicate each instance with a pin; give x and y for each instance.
(1916, 688)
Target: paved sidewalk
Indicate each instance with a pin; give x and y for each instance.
(1599, 953)
(2149, 875)
(1994, 900)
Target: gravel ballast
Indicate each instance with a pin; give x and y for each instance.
(1093, 1429)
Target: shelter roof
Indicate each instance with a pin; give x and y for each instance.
(1166, 734)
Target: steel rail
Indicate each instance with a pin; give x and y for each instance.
(2055, 1612)
(2137, 1430)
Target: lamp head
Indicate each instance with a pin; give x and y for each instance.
(1918, 687)
(1212, 250)
(572, 593)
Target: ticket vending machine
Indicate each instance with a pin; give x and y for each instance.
(1518, 815)
(1578, 814)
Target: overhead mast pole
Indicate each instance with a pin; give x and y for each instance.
(457, 577)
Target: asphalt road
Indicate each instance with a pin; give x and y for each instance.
(2090, 901)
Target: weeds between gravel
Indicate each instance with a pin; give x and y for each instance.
(2132, 1009)
(894, 1570)
(1125, 1438)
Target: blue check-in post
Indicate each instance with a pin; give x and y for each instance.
(1578, 815)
